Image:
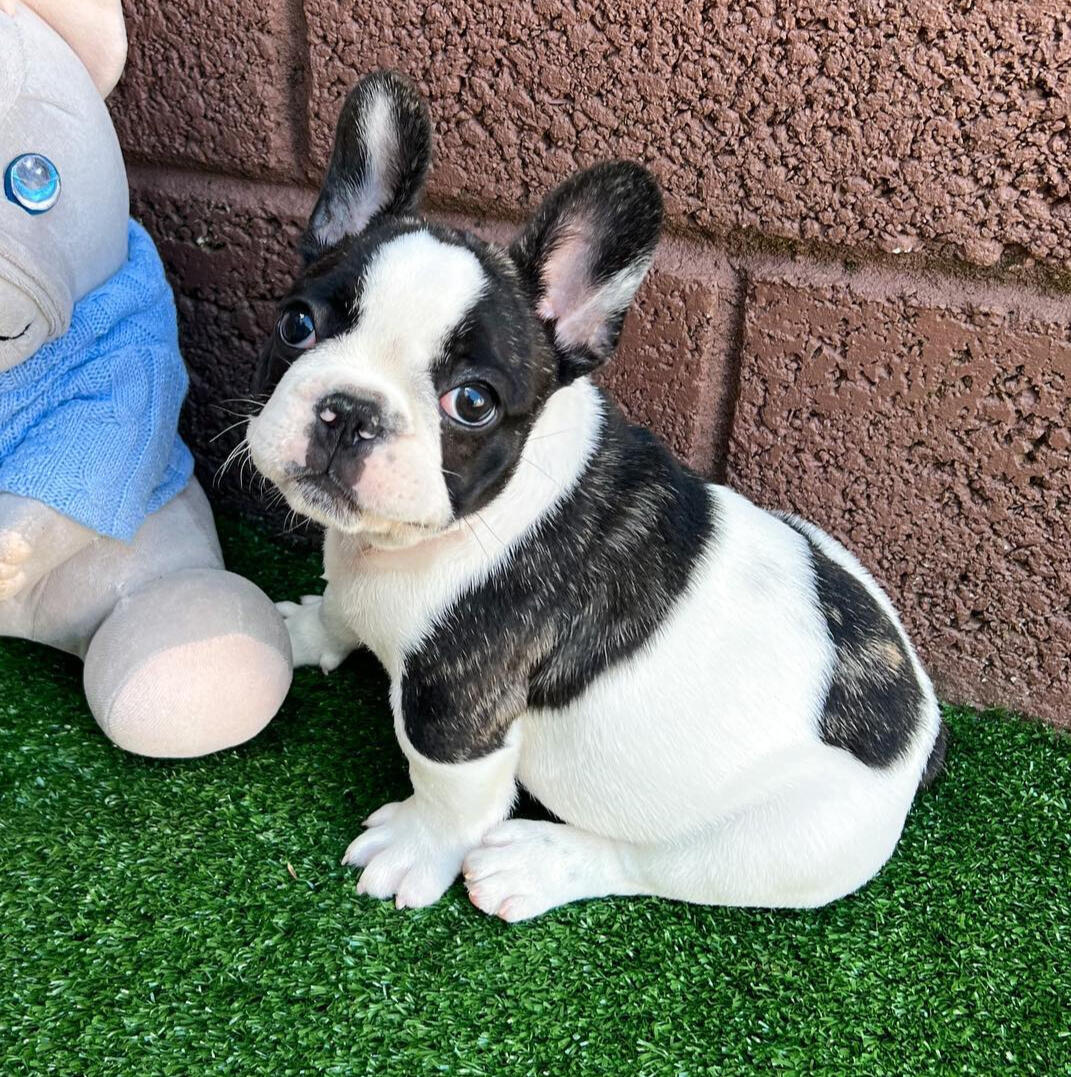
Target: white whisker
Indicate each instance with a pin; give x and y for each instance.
(228, 429)
(489, 528)
(476, 537)
(241, 450)
(542, 471)
(553, 434)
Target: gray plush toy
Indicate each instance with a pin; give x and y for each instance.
(108, 549)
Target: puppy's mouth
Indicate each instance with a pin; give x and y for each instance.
(332, 503)
(323, 498)
(323, 487)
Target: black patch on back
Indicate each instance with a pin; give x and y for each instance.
(874, 703)
(581, 593)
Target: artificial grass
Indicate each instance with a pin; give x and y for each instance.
(150, 922)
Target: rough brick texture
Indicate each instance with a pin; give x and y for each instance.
(930, 435)
(208, 84)
(229, 250)
(920, 418)
(671, 371)
(877, 125)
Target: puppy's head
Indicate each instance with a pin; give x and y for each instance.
(410, 361)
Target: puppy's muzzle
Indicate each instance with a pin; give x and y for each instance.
(345, 429)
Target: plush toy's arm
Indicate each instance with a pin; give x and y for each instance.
(93, 28)
(34, 540)
(109, 455)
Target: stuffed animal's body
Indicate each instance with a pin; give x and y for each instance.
(107, 544)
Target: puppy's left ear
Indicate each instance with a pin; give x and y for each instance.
(379, 163)
(584, 254)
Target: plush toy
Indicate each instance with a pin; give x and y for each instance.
(107, 544)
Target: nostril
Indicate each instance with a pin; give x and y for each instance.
(350, 419)
(366, 426)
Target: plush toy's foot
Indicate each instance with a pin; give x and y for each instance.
(189, 664)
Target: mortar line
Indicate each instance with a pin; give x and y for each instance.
(733, 357)
(300, 87)
(871, 277)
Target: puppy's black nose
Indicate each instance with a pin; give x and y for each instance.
(346, 421)
(344, 429)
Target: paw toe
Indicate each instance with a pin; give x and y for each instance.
(383, 815)
(420, 888)
(487, 895)
(361, 850)
(515, 909)
(479, 863)
(507, 896)
(495, 879)
(381, 877)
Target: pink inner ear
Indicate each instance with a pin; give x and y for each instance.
(581, 309)
(568, 295)
(567, 274)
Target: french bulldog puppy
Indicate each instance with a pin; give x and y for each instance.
(718, 702)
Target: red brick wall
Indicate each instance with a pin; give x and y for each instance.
(861, 310)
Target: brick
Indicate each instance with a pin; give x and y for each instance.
(209, 84)
(672, 371)
(941, 129)
(928, 432)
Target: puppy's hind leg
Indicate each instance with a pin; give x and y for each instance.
(523, 868)
(813, 828)
(807, 833)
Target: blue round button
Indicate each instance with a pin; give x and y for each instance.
(33, 182)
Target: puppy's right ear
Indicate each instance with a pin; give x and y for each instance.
(379, 162)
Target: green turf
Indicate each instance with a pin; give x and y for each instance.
(149, 923)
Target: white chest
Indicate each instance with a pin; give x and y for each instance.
(391, 609)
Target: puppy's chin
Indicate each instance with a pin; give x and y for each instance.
(331, 505)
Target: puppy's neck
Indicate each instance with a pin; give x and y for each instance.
(556, 453)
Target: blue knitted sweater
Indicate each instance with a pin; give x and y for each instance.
(88, 423)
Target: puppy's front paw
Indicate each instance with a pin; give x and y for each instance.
(404, 857)
(15, 552)
(309, 640)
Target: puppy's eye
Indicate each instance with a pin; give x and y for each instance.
(296, 327)
(33, 182)
(472, 404)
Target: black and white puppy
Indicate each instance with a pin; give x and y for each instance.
(719, 702)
